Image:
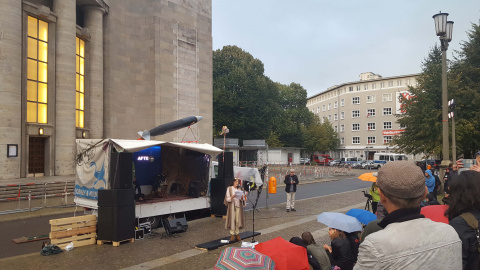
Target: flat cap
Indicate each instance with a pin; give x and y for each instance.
(402, 179)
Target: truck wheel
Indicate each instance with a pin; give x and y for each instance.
(154, 221)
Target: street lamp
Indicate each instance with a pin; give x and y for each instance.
(444, 31)
(451, 115)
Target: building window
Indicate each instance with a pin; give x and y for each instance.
(335, 128)
(399, 83)
(371, 140)
(37, 65)
(358, 88)
(318, 109)
(387, 125)
(342, 140)
(387, 139)
(374, 86)
(403, 126)
(350, 89)
(407, 82)
(355, 140)
(324, 107)
(355, 127)
(356, 100)
(80, 86)
(355, 114)
(329, 106)
(371, 126)
(387, 97)
(390, 84)
(371, 99)
(335, 117)
(335, 104)
(342, 115)
(342, 102)
(382, 85)
(342, 128)
(370, 112)
(329, 117)
(387, 111)
(365, 87)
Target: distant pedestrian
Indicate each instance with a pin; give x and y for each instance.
(429, 181)
(408, 239)
(464, 209)
(291, 182)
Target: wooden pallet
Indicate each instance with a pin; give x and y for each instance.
(115, 243)
(214, 216)
(82, 231)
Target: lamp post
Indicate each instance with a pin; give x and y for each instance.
(444, 32)
(451, 114)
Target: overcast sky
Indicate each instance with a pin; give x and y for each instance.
(319, 43)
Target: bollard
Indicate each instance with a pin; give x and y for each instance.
(29, 201)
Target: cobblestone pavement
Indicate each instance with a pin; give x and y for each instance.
(161, 251)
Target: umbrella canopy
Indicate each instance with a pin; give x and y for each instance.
(435, 212)
(243, 258)
(340, 221)
(363, 216)
(286, 255)
(369, 177)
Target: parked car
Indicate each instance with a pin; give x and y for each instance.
(334, 162)
(304, 160)
(368, 164)
(358, 164)
(322, 159)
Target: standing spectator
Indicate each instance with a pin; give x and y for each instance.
(291, 182)
(446, 178)
(317, 251)
(465, 198)
(235, 218)
(438, 183)
(429, 181)
(375, 197)
(340, 252)
(408, 239)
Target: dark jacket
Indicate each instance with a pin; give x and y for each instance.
(288, 180)
(311, 259)
(342, 255)
(470, 255)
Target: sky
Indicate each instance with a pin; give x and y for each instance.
(319, 43)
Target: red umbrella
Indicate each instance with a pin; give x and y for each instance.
(435, 212)
(287, 256)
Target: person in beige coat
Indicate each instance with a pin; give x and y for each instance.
(235, 218)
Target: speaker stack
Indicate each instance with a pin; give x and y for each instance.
(218, 186)
(116, 206)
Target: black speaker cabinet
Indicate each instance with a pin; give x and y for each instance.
(225, 165)
(116, 223)
(121, 167)
(218, 188)
(116, 197)
(194, 189)
(175, 225)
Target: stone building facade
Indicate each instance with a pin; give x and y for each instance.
(363, 113)
(74, 69)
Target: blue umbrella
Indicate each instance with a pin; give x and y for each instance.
(340, 221)
(363, 216)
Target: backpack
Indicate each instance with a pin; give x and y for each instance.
(473, 222)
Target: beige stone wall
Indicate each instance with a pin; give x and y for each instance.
(158, 67)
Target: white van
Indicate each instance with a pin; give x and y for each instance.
(349, 160)
(379, 159)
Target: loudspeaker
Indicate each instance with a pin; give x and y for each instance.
(225, 167)
(194, 189)
(116, 197)
(218, 188)
(121, 170)
(175, 225)
(116, 223)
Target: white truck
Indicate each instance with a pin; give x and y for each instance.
(174, 177)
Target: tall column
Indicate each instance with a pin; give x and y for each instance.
(94, 23)
(10, 85)
(65, 87)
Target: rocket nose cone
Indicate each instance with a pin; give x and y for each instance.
(199, 118)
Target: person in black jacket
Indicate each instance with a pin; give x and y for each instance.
(291, 182)
(465, 197)
(340, 252)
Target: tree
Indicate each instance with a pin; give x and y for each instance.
(422, 117)
(244, 99)
(320, 137)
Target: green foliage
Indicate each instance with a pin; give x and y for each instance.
(320, 137)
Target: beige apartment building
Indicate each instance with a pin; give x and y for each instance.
(74, 69)
(363, 113)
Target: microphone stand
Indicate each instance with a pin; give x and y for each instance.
(254, 207)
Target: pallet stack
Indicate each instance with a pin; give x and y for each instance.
(82, 231)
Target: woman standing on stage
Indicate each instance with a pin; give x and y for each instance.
(234, 203)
